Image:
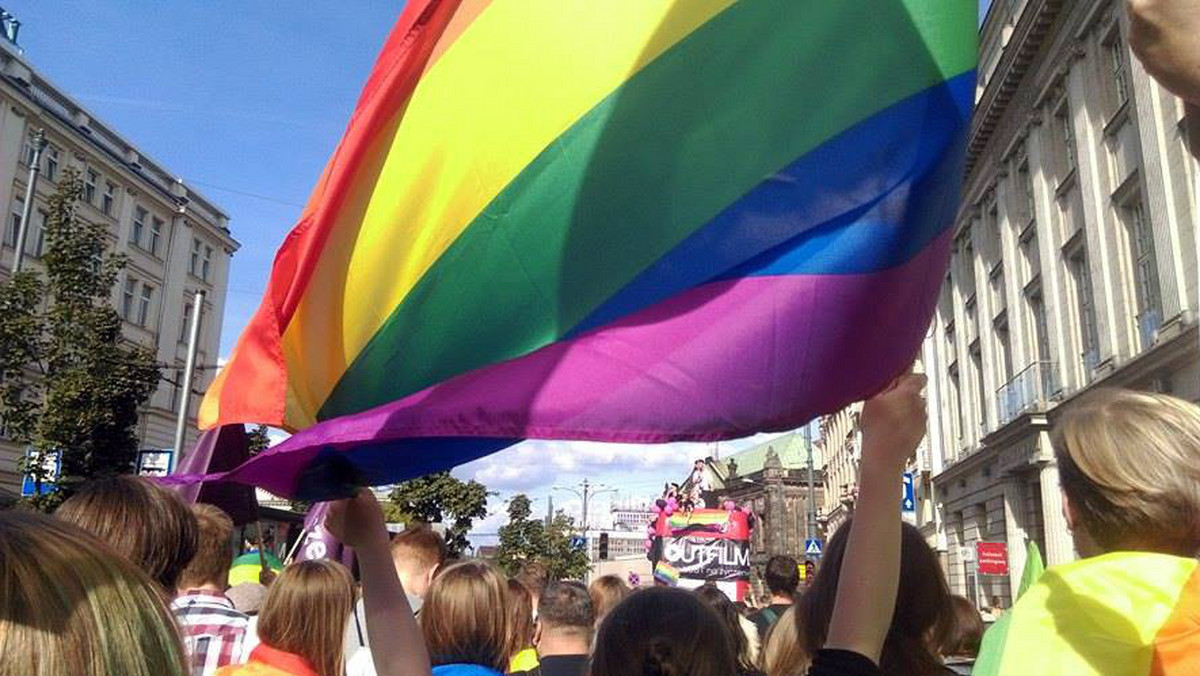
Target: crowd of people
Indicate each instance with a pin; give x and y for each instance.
(126, 579)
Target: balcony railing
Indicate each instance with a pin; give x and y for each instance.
(1037, 384)
(1148, 323)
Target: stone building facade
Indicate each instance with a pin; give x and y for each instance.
(1074, 267)
(175, 239)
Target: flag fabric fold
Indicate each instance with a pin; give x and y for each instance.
(639, 222)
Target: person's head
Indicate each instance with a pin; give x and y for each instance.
(417, 553)
(922, 605)
(1129, 464)
(964, 629)
(73, 606)
(699, 464)
(782, 576)
(606, 592)
(306, 612)
(465, 616)
(534, 575)
(214, 550)
(663, 630)
(520, 621)
(140, 520)
(718, 601)
(781, 652)
(565, 619)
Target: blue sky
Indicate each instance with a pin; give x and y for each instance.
(246, 102)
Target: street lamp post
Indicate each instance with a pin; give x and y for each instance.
(810, 526)
(38, 143)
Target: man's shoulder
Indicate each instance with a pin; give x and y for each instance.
(207, 609)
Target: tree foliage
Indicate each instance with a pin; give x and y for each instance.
(525, 540)
(440, 498)
(71, 383)
(257, 440)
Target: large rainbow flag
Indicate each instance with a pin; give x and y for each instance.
(1121, 614)
(629, 220)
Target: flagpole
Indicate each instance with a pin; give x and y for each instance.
(185, 397)
(38, 143)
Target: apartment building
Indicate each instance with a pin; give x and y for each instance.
(1074, 267)
(177, 241)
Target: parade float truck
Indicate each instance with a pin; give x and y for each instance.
(691, 548)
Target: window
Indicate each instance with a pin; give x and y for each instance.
(194, 261)
(51, 154)
(1089, 337)
(127, 297)
(108, 198)
(207, 264)
(1030, 257)
(14, 224)
(28, 152)
(1041, 333)
(1145, 278)
(1025, 202)
(185, 323)
(999, 302)
(143, 308)
(1064, 140)
(139, 226)
(35, 239)
(1118, 70)
(89, 185)
(156, 226)
(956, 420)
(1004, 356)
(977, 376)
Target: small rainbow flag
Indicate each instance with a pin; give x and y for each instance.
(638, 221)
(665, 572)
(1121, 614)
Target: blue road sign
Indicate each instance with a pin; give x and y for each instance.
(577, 542)
(908, 500)
(812, 547)
(51, 466)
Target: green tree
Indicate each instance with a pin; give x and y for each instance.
(525, 540)
(440, 498)
(71, 383)
(257, 440)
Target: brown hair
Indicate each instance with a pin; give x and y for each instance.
(535, 576)
(140, 520)
(1129, 463)
(418, 547)
(606, 592)
(465, 617)
(72, 606)
(306, 612)
(718, 601)
(922, 606)
(214, 549)
(663, 631)
(964, 631)
(566, 606)
(781, 652)
(782, 575)
(520, 624)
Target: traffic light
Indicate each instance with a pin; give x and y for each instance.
(604, 546)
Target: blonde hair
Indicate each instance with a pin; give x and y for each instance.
(1129, 463)
(73, 606)
(465, 617)
(782, 654)
(606, 592)
(306, 612)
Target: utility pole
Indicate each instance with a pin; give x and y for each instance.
(810, 526)
(587, 490)
(38, 143)
(185, 396)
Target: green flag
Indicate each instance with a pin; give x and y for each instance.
(1033, 567)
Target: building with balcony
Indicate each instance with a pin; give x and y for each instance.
(840, 444)
(175, 239)
(1074, 267)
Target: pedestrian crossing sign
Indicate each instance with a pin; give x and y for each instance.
(812, 547)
